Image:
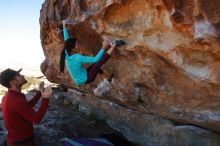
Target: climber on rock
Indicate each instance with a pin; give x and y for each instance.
(74, 61)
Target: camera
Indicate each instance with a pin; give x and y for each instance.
(119, 43)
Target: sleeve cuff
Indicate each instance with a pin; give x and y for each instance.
(45, 99)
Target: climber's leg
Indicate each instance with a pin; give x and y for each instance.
(95, 68)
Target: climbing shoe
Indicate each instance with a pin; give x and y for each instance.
(119, 43)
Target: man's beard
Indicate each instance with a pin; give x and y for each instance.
(24, 82)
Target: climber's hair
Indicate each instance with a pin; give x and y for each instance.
(69, 45)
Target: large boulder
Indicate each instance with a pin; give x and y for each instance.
(170, 66)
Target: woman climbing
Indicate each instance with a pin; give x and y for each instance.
(74, 61)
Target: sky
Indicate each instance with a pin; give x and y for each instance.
(20, 34)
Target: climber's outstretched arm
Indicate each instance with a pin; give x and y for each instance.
(65, 31)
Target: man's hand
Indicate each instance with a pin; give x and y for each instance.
(105, 44)
(41, 86)
(47, 92)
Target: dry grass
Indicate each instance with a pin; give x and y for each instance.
(32, 82)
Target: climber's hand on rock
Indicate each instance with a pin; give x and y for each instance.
(64, 23)
(105, 44)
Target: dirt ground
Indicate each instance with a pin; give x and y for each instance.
(64, 121)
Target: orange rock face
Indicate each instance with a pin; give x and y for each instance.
(170, 65)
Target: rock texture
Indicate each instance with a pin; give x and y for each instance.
(62, 122)
(170, 66)
(144, 129)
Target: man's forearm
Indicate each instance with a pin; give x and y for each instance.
(34, 100)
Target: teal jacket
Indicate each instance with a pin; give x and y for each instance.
(74, 63)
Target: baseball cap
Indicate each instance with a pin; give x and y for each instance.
(7, 75)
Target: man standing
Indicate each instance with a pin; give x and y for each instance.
(18, 113)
